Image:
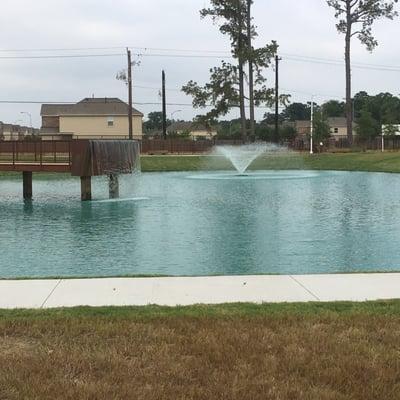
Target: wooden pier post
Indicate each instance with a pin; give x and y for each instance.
(27, 185)
(86, 188)
(113, 186)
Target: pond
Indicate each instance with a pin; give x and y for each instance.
(193, 224)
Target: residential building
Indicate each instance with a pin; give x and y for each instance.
(303, 127)
(193, 130)
(338, 127)
(91, 118)
(15, 132)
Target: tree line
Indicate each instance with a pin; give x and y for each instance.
(232, 84)
(369, 114)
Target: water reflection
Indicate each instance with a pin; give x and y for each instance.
(168, 224)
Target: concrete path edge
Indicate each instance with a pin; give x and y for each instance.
(184, 291)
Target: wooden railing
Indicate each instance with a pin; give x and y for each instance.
(36, 152)
(182, 146)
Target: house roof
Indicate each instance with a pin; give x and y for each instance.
(11, 127)
(89, 107)
(337, 122)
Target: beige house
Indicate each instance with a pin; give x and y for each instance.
(91, 118)
(195, 131)
(338, 127)
(15, 132)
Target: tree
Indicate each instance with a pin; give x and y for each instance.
(390, 130)
(229, 129)
(356, 18)
(287, 133)
(154, 121)
(333, 108)
(265, 131)
(226, 88)
(367, 126)
(384, 107)
(360, 102)
(297, 112)
(269, 118)
(322, 129)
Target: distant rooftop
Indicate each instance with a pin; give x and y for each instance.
(107, 106)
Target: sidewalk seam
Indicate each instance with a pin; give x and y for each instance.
(305, 288)
(50, 294)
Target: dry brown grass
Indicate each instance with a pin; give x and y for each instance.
(259, 353)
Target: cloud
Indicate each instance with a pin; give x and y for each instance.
(304, 27)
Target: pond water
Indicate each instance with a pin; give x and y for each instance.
(278, 222)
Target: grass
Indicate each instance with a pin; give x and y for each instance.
(360, 161)
(368, 161)
(142, 276)
(36, 176)
(241, 351)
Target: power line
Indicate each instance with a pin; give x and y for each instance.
(116, 47)
(60, 49)
(311, 58)
(339, 63)
(181, 55)
(62, 56)
(135, 103)
(302, 59)
(109, 55)
(196, 53)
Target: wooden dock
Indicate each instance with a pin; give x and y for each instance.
(77, 157)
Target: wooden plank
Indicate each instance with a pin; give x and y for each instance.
(32, 167)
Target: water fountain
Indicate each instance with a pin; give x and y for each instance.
(243, 156)
(104, 157)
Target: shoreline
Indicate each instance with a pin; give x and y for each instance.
(181, 291)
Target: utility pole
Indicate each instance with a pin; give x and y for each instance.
(251, 73)
(277, 59)
(164, 107)
(312, 126)
(130, 94)
(241, 60)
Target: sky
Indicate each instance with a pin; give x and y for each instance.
(169, 35)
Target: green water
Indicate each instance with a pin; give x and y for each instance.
(285, 222)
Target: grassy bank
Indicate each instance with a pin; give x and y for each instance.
(307, 351)
(369, 161)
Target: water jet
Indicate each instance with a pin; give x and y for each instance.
(243, 156)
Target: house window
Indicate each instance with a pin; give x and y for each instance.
(336, 130)
(110, 121)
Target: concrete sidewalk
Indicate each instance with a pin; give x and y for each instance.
(199, 290)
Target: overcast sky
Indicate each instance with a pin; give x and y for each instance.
(301, 28)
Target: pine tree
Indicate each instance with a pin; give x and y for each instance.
(226, 88)
(356, 18)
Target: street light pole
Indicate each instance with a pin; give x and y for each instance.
(164, 107)
(30, 117)
(173, 113)
(130, 100)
